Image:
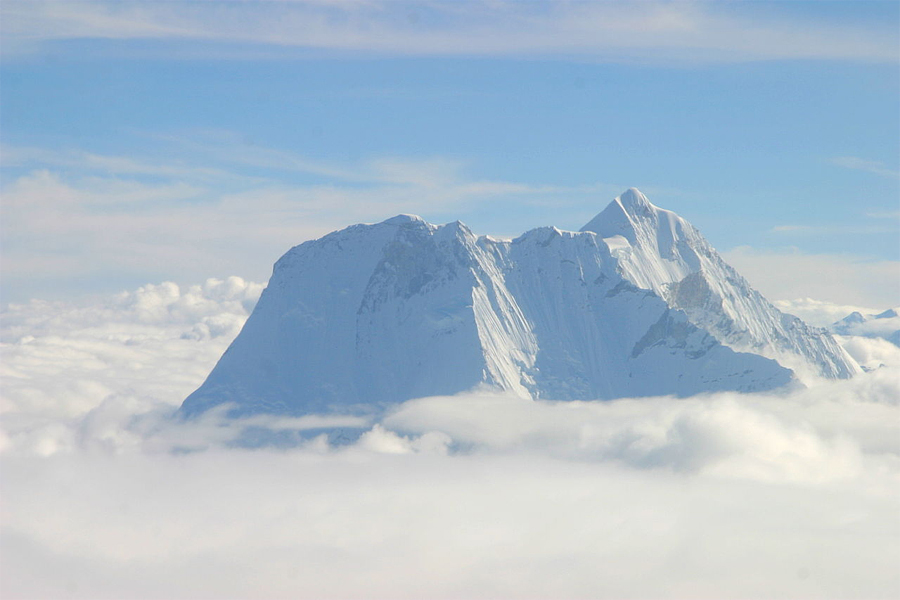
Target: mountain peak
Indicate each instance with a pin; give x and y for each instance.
(620, 216)
(403, 218)
(632, 216)
(632, 199)
(853, 318)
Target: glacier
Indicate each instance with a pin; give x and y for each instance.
(637, 303)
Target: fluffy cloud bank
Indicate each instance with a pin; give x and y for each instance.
(64, 365)
(479, 495)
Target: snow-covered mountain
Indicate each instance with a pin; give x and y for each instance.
(635, 304)
(660, 251)
(885, 325)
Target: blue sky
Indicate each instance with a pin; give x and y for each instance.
(144, 141)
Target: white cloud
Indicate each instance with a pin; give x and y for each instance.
(835, 278)
(18, 156)
(882, 328)
(76, 215)
(792, 438)
(478, 495)
(893, 215)
(146, 347)
(871, 353)
(820, 230)
(610, 31)
(698, 500)
(869, 166)
(819, 312)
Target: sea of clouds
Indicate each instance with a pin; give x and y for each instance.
(481, 495)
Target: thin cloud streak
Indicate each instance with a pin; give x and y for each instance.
(20, 156)
(869, 166)
(609, 31)
(891, 214)
(832, 229)
(149, 209)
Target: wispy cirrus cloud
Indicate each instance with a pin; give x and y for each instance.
(70, 215)
(869, 166)
(83, 160)
(832, 229)
(884, 214)
(608, 31)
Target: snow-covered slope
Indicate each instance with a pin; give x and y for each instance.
(660, 251)
(375, 314)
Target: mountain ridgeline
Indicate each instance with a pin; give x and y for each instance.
(635, 304)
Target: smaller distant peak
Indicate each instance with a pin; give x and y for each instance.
(403, 219)
(888, 314)
(854, 317)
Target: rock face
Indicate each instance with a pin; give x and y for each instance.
(635, 304)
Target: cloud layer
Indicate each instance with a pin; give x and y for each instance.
(478, 495)
(67, 367)
(836, 279)
(608, 31)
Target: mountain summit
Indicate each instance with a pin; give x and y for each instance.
(636, 304)
(658, 250)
